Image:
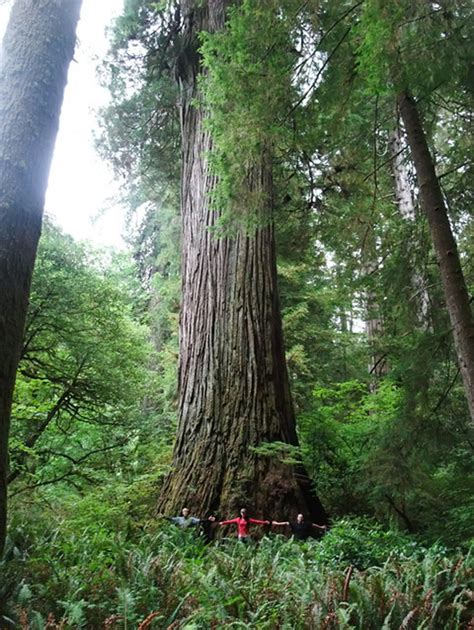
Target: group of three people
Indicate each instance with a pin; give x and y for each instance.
(300, 528)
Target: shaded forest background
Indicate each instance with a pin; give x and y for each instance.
(382, 418)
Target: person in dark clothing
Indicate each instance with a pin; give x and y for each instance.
(300, 528)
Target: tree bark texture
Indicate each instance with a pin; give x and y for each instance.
(36, 51)
(454, 285)
(233, 383)
(406, 207)
(374, 325)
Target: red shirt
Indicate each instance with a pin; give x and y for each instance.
(243, 524)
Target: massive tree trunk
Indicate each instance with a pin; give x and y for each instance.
(37, 49)
(233, 383)
(454, 285)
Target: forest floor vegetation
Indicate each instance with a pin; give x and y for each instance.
(67, 575)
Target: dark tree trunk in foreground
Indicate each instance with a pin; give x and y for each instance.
(37, 49)
(233, 382)
(454, 285)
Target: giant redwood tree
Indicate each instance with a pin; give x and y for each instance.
(37, 49)
(234, 391)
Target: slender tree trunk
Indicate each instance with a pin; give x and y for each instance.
(401, 177)
(454, 285)
(233, 382)
(374, 326)
(406, 206)
(37, 49)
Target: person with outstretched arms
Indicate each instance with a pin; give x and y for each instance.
(185, 520)
(243, 522)
(301, 528)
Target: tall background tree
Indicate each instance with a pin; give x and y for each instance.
(37, 48)
(389, 46)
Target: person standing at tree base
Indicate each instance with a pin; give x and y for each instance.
(243, 522)
(301, 529)
(184, 521)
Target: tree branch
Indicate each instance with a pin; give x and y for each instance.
(34, 437)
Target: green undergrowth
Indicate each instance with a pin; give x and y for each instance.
(356, 576)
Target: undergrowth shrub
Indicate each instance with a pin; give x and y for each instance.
(357, 576)
(363, 543)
